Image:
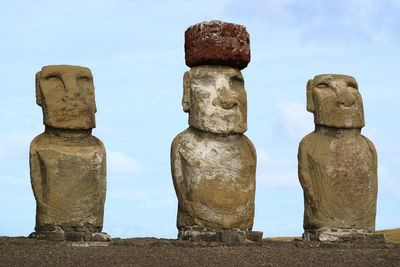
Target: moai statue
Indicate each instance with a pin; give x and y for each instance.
(213, 163)
(67, 163)
(337, 165)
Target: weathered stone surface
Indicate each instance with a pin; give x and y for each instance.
(337, 165)
(82, 229)
(195, 233)
(326, 234)
(48, 228)
(73, 236)
(214, 179)
(67, 228)
(215, 98)
(335, 101)
(67, 163)
(213, 164)
(48, 235)
(68, 176)
(66, 95)
(96, 237)
(232, 235)
(217, 43)
(255, 236)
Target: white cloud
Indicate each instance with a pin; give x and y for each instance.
(368, 15)
(294, 121)
(121, 166)
(313, 27)
(277, 173)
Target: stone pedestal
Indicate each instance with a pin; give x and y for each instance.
(197, 233)
(342, 235)
(69, 233)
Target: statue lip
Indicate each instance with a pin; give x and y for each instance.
(230, 106)
(227, 111)
(344, 106)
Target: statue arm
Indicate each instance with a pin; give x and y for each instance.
(35, 172)
(252, 150)
(252, 155)
(177, 171)
(374, 160)
(373, 150)
(101, 151)
(304, 168)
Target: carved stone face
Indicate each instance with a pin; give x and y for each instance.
(66, 95)
(215, 98)
(335, 101)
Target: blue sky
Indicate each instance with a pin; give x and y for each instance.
(135, 52)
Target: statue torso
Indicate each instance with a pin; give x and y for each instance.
(68, 176)
(341, 187)
(218, 178)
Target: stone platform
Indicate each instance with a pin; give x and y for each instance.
(197, 233)
(327, 234)
(69, 233)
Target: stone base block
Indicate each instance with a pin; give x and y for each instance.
(327, 234)
(69, 233)
(196, 233)
(255, 236)
(51, 236)
(96, 237)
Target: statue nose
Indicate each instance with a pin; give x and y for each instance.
(225, 98)
(72, 90)
(345, 97)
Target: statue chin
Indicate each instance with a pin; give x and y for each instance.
(218, 126)
(341, 120)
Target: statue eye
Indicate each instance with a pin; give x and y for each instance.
(52, 77)
(353, 85)
(322, 85)
(83, 78)
(236, 80)
(205, 81)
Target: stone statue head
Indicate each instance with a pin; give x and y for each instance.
(66, 95)
(335, 101)
(215, 98)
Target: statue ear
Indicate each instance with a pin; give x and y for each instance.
(310, 98)
(186, 92)
(37, 86)
(95, 106)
